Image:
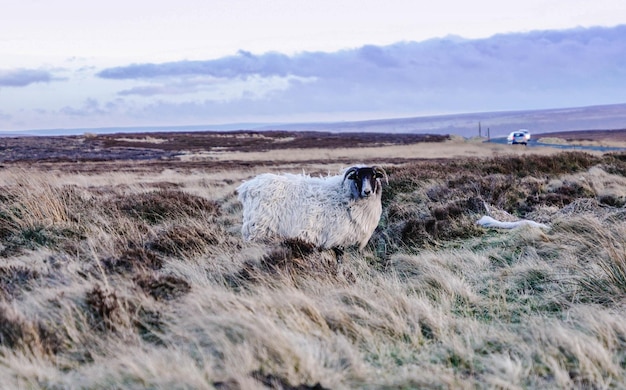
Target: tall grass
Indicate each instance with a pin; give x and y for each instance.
(107, 283)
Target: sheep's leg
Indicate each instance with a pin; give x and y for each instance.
(338, 255)
(339, 258)
(341, 271)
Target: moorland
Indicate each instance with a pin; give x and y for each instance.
(122, 266)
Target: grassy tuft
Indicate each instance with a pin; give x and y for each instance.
(133, 259)
(157, 206)
(15, 278)
(605, 281)
(107, 311)
(287, 262)
(19, 333)
(191, 239)
(166, 287)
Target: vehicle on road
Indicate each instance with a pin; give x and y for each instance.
(519, 137)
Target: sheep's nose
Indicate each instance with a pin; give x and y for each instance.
(367, 193)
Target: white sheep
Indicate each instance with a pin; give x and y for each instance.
(490, 222)
(331, 212)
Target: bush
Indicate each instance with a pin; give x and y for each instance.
(157, 206)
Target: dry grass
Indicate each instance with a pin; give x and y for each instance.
(140, 279)
(582, 142)
(453, 148)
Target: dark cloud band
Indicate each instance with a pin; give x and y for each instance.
(506, 58)
(23, 77)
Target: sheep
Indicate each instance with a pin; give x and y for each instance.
(490, 222)
(333, 212)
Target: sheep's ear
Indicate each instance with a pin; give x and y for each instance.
(380, 173)
(349, 174)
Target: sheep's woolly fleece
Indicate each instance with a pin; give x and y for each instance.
(489, 222)
(318, 210)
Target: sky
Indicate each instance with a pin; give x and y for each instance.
(80, 64)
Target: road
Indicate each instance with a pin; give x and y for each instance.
(534, 144)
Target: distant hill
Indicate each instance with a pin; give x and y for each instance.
(606, 117)
(499, 123)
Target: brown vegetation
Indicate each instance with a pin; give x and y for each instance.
(591, 135)
(109, 147)
(133, 274)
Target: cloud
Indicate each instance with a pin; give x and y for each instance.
(241, 65)
(145, 90)
(541, 69)
(580, 66)
(175, 86)
(90, 107)
(525, 55)
(23, 77)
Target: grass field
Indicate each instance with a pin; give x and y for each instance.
(132, 273)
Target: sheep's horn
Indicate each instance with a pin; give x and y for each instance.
(380, 172)
(348, 172)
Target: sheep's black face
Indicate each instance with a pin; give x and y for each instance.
(366, 181)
